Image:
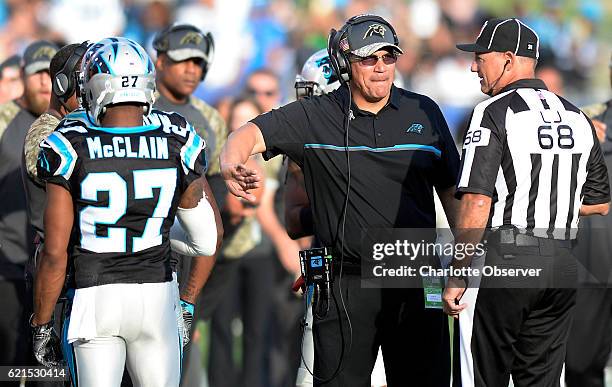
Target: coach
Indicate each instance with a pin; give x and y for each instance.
(400, 149)
(531, 164)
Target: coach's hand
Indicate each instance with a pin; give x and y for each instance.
(187, 309)
(240, 180)
(455, 287)
(46, 345)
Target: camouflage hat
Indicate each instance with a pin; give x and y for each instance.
(37, 56)
(182, 42)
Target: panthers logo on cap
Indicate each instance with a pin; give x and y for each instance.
(375, 29)
(45, 51)
(192, 37)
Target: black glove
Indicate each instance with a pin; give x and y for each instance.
(46, 345)
(187, 309)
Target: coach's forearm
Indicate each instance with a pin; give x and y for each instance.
(242, 143)
(50, 278)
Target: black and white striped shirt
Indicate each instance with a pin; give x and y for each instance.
(536, 155)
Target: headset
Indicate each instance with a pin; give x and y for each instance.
(490, 91)
(338, 58)
(161, 43)
(65, 82)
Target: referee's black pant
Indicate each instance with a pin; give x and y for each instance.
(518, 326)
(414, 340)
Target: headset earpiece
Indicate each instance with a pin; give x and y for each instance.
(210, 53)
(338, 58)
(65, 82)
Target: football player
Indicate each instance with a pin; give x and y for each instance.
(117, 174)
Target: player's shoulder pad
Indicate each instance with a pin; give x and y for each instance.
(74, 123)
(57, 155)
(172, 123)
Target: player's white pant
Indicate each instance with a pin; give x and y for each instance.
(466, 318)
(115, 324)
(304, 377)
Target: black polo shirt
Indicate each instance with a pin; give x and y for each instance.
(396, 158)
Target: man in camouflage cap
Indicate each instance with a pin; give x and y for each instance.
(184, 55)
(16, 235)
(63, 101)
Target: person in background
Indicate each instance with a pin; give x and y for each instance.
(184, 55)
(16, 234)
(264, 86)
(588, 346)
(552, 77)
(248, 274)
(11, 83)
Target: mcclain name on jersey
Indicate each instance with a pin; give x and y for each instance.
(143, 147)
(146, 148)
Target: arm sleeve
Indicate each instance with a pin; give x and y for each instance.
(481, 156)
(447, 167)
(194, 231)
(596, 188)
(57, 160)
(285, 130)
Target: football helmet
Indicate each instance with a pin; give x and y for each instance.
(116, 70)
(316, 77)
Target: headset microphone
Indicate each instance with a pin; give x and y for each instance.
(490, 91)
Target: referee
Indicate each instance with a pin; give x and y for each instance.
(531, 164)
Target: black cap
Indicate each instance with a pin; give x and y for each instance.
(182, 42)
(37, 56)
(366, 37)
(501, 35)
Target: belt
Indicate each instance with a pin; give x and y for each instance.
(511, 236)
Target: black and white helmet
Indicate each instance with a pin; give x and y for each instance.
(317, 76)
(116, 70)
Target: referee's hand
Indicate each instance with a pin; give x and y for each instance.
(451, 297)
(239, 180)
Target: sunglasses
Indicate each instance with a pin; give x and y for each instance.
(267, 93)
(372, 60)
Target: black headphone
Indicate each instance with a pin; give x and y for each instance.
(161, 43)
(338, 58)
(65, 82)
